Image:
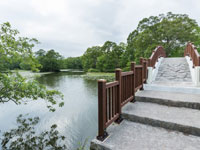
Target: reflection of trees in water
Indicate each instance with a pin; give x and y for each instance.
(91, 85)
(54, 79)
(24, 136)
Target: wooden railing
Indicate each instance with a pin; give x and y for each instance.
(157, 53)
(192, 52)
(114, 95)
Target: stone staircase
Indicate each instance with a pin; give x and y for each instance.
(173, 76)
(164, 115)
(168, 121)
(173, 70)
(171, 113)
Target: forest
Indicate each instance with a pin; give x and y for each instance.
(172, 31)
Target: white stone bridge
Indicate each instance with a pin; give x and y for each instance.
(165, 114)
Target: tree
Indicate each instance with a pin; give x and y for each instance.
(25, 63)
(14, 87)
(50, 60)
(12, 46)
(40, 53)
(73, 63)
(111, 57)
(89, 58)
(172, 31)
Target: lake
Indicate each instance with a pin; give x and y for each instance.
(77, 119)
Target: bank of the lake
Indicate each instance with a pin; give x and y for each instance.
(30, 74)
(76, 120)
(99, 75)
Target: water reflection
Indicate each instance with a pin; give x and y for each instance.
(54, 79)
(77, 120)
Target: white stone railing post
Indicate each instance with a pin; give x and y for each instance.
(150, 75)
(153, 71)
(195, 72)
(197, 76)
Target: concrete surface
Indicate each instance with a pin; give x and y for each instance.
(174, 118)
(169, 98)
(176, 87)
(134, 136)
(173, 76)
(174, 69)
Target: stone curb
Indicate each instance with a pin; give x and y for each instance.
(192, 105)
(163, 124)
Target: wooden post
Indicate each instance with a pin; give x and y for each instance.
(199, 61)
(145, 69)
(149, 62)
(102, 134)
(133, 80)
(118, 77)
(142, 75)
(141, 60)
(142, 63)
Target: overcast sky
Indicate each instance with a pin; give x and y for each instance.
(71, 26)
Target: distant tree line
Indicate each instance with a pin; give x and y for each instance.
(172, 31)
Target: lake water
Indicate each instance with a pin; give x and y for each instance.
(76, 120)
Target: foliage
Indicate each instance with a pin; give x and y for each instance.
(89, 58)
(172, 31)
(93, 70)
(14, 87)
(12, 46)
(24, 137)
(105, 58)
(25, 64)
(110, 58)
(16, 52)
(82, 145)
(50, 60)
(72, 63)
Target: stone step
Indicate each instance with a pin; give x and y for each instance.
(169, 98)
(174, 69)
(173, 118)
(177, 88)
(134, 136)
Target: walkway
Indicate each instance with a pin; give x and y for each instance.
(163, 116)
(174, 70)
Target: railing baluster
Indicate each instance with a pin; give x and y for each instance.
(101, 109)
(113, 96)
(109, 107)
(133, 78)
(113, 101)
(118, 78)
(106, 111)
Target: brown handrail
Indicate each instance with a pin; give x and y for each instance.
(192, 52)
(156, 54)
(114, 95)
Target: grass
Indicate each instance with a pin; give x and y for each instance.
(89, 75)
(29, 74)
(99, 75)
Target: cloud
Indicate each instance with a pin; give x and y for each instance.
(70, 26)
